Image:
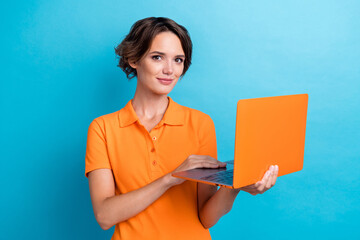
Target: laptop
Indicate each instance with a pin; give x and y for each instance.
(269, 131)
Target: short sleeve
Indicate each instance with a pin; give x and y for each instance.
(96, 149)
(207, 137)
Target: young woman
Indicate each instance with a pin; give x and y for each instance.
(131, 153)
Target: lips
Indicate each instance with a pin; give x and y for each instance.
(165, 81)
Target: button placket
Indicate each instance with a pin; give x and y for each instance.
(153, 161)
(153, 157)
(153, 140)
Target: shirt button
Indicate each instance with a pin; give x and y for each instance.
(154, 138)
(152, 150)
(154, 162)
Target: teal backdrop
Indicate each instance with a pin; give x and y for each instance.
(58, 73)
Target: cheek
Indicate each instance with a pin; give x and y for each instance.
(153, 68)
(148, 69)
(179, 70)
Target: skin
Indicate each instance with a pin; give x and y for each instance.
(163, 61)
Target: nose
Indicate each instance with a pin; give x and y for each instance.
(168, 68)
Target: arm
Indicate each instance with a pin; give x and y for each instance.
(213, 203)
(110, 209)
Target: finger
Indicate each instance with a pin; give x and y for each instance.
(264, 181)
(213, 160)
(222, 164)
(203, 164)
(201, 157)
(258, 184)
(206, 157)
(275, 175)
(206, 164)
(269, 182)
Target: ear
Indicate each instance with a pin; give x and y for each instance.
(133, 64)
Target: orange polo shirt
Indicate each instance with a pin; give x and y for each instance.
(119, 142)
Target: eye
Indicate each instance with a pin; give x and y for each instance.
(179, 60)
(156, 57)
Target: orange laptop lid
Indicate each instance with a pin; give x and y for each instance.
(269, 131)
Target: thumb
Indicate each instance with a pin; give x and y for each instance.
(222, 164)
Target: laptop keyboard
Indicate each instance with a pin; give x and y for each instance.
(224, 177)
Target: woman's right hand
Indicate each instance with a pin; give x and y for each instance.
(194, 161)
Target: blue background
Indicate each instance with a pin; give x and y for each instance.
(58, 72)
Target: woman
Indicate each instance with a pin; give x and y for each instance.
(131, 153)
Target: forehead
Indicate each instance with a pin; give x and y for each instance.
(167, 42)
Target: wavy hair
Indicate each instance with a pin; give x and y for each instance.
(139, 40)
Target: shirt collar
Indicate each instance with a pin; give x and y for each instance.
(174, 115)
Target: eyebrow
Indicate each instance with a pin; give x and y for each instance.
(161, 53)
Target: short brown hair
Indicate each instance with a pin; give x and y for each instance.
(139, 39)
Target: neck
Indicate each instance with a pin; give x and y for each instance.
(149, 105)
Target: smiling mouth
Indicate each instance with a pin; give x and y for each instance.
(165, 81)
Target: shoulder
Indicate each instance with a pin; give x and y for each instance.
(203, 127)
(198, 115)
(110, 117)
(106, 120)
(195, 116)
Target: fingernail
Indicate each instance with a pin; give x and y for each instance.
(267, 173)
(276, 167)
(271, 167)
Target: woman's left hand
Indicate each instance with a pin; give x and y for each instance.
(265, 184)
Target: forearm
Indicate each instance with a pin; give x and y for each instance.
(217, 206)
(124, 206)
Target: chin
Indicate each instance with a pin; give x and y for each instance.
(164, 90)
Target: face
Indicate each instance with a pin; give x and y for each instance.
(160, 68)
